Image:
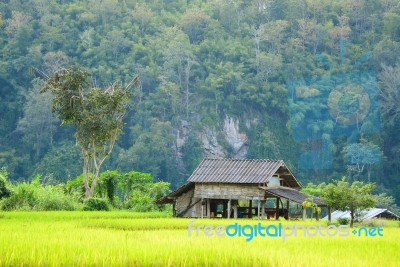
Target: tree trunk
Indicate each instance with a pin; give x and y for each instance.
(86, 174)
(352, 218)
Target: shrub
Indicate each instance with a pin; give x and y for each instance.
(75, 188)
(52, 198)
(96, 204)
(373, 223)
(4, 191)
(140, 202)
(34, 196)
(343, 221)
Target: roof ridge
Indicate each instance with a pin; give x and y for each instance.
(236, 159)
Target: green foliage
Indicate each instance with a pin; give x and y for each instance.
(343, 221)
(38, 123)
(192, 153)
(313, 189)
(133, 190)
(343, 196)
(140, 193)
(61, 161)
(391, 26)
(152, 151)
(4, 191)
(75, 188)
(197, 61)
(97, 115)
(108, 184)
(139, 202)
(35, 196)
(93, 204)
(386, 202)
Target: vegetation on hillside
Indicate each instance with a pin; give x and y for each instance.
(278, 66)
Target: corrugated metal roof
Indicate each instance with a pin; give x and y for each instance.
(366, 214)
(292, 195)
(241, 171)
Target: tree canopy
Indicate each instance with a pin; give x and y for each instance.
(96, 114)
(353, 197)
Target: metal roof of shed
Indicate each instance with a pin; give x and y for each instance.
(366, 214)
(292, 195)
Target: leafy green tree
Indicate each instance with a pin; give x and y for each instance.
(343, 196)
(62, 161)
(38, 123)
(362, 156)
(392, 26)
(151, 152)
(108, 184)
(192, 153)
(389, 84)
(140, 193)
(179, 60)
(96, 113)
(194, 24)
(4, 191)
(385, 201)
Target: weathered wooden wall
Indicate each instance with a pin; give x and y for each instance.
(184, 201)
(228, 191)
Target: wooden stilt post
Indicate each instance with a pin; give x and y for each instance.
(235, 210)
(277, 208)
(229, 209)
(287, 209)
(208, 209)
(303, 211)
(263, 209)
(250, 215)
(202, 208)
(258, 209)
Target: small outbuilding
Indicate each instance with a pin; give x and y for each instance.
(367, 214)
(238, 188)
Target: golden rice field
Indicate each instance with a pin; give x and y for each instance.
(154, 239)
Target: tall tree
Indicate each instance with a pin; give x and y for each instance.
(96, 113)
(389, 84)
(343, 196)
(38, 123)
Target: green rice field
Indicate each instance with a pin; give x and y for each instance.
(155, 239)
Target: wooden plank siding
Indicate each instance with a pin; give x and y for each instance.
(228, 191)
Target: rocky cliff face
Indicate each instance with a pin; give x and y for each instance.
(217, 142)
(211, 146)
(237, 141)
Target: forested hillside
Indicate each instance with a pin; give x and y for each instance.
(312, 82)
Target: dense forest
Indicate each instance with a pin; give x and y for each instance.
(313, 82)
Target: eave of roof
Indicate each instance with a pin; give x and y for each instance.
(170, 197)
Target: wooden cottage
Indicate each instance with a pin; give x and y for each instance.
(238, 188)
